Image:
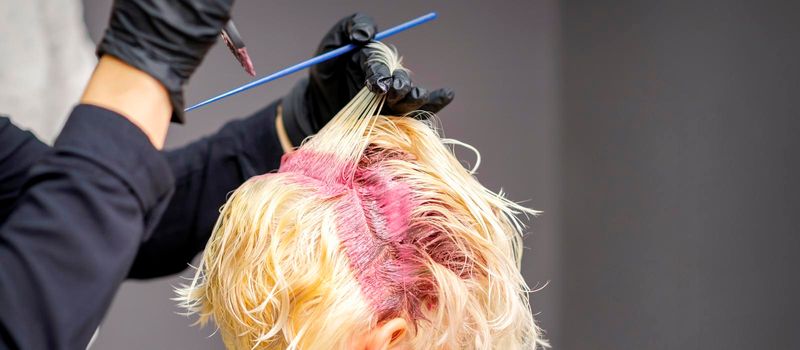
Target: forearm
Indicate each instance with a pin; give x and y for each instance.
(76, 228)
(205, 172)
(132, 93)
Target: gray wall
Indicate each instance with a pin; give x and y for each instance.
(680, 163)
(500, 57)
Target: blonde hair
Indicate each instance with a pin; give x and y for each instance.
(371, 219)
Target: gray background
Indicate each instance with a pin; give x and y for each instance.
(680, 169)
(659, 138)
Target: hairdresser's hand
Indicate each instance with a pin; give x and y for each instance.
(331, 85)
(166, 39)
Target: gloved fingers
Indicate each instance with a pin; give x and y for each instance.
(438, 99)
(402, 96)
(361, 29)
(357, 29)
(416, 98)
(399, 88)
(377, 75)
(378, 78)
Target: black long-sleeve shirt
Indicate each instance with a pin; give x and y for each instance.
(205, 172)
(76, 219)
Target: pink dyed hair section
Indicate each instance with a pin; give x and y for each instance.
(386, 250)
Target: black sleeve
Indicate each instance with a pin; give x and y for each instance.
(206, 171)
(19, 150)
(67, 245)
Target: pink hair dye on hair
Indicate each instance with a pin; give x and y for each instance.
(374, 227)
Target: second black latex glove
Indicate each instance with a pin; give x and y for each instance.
(332, 84)
(166, 39)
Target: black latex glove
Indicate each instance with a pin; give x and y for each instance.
(332, 84)
(165, 38)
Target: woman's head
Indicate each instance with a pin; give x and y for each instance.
(372, 232)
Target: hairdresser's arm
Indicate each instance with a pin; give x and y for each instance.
(19, 151)
(85, 207)
(110, 86)
(206, 171)
(134, 94)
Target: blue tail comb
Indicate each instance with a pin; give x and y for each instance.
(315, 60)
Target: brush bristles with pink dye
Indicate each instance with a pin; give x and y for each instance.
(233, 40)
(370, 220)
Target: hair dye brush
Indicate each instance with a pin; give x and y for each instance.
(230, 35)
